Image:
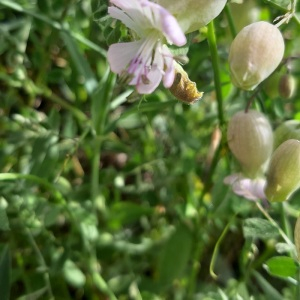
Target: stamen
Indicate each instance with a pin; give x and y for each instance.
(145, 79)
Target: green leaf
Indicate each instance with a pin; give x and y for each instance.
(4, 223)
(282, 266)
(259, 228)
(5, 269)
(175, 255)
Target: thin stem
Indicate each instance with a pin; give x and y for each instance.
(251, 99)
(230, 21)
(285, 223)
(100, 109)
(282, 233)
(216, 249)
(212, 43)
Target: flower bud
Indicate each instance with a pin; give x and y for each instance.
(254, 54)
(297, 237)
(250, 139)
(183, 88)
(283, 176)
(287, 130)
(193, 14)
(287, 86)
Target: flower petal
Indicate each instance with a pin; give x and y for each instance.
(251, 189)
(171, 28)
(151, 81)
(120, 55)
(169, 76)
(125, 19)
(165, 22)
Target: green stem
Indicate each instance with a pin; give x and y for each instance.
(286, 226)
(230, 21)
(216, 249)
(282, 233)
(100, 108)
(212, 43)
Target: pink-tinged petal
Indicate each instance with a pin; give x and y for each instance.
(125, 19)
(120, 55)
(165, 22)
(169, 76)
(171, 28)
(132, 15)
(125, 4)
(151, 80)
(251, 189)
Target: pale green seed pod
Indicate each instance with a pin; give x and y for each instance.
(287, 86)
(297, 237)
(250, 139)
(254, 54)
(285, 131)
(283, 176)
(193, 14)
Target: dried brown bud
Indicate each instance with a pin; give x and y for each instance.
(183, 88)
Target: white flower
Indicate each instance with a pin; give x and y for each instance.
(148, 60)
(251, 189)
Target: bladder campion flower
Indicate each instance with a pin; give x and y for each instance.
(148, 60)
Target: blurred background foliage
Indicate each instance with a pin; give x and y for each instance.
(108, 195)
